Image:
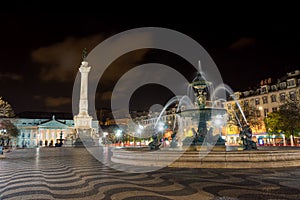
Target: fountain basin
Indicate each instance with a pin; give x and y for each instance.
(212, 159)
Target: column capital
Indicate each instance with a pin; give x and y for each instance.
(84, 68)
(84, 64)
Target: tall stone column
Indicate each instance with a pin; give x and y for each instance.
(83, 102)
(83, 120)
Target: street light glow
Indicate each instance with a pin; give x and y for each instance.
(119, 132)
(141, 127)
(161, 128)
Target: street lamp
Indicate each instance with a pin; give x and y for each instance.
(266, 122)
(161, 128)
(119, 133)
(139, 131)
(105, 137)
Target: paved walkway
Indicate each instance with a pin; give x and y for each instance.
(72, 173)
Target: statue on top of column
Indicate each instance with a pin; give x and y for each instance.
(84, 54)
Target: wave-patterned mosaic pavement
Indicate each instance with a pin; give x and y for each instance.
(72, 173)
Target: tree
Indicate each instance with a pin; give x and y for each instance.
(8, 131)
(290, 116)
(274, 123)
(286, 120)
(5, 109)
(251, 113)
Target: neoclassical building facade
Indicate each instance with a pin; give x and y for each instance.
(45, 130)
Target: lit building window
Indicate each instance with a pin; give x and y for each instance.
(266, 110)
(273, 98)
(291, 83)
(292, 96)
(264, 89)
(257, 101)
(273, 87)
(259, 126)
(229, 105)
(282, 97)
(265, 99)
(282, 85)
(258, 114)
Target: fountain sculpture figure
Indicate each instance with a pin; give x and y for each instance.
(246, 137)
(204, 118)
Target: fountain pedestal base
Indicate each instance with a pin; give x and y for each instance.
(205, 148)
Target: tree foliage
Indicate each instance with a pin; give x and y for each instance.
(251, 113)
(274, 123)
(286, 120)
(8, 129)
(5, 109)
(290, 116)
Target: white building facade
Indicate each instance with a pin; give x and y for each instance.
(46, 132)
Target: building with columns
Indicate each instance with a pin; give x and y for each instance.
(42, 130)
(45, 129)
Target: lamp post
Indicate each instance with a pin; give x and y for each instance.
(105, 137)
(161, 129)
(139, 131)
(118, 134)
(266, 122)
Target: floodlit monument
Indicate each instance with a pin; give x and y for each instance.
(83, 122)
(203, 118)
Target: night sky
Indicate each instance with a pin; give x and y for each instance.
(41, 52)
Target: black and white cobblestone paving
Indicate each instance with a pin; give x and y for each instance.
(72, 173)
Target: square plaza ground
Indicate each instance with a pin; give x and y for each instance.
(72, 173)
